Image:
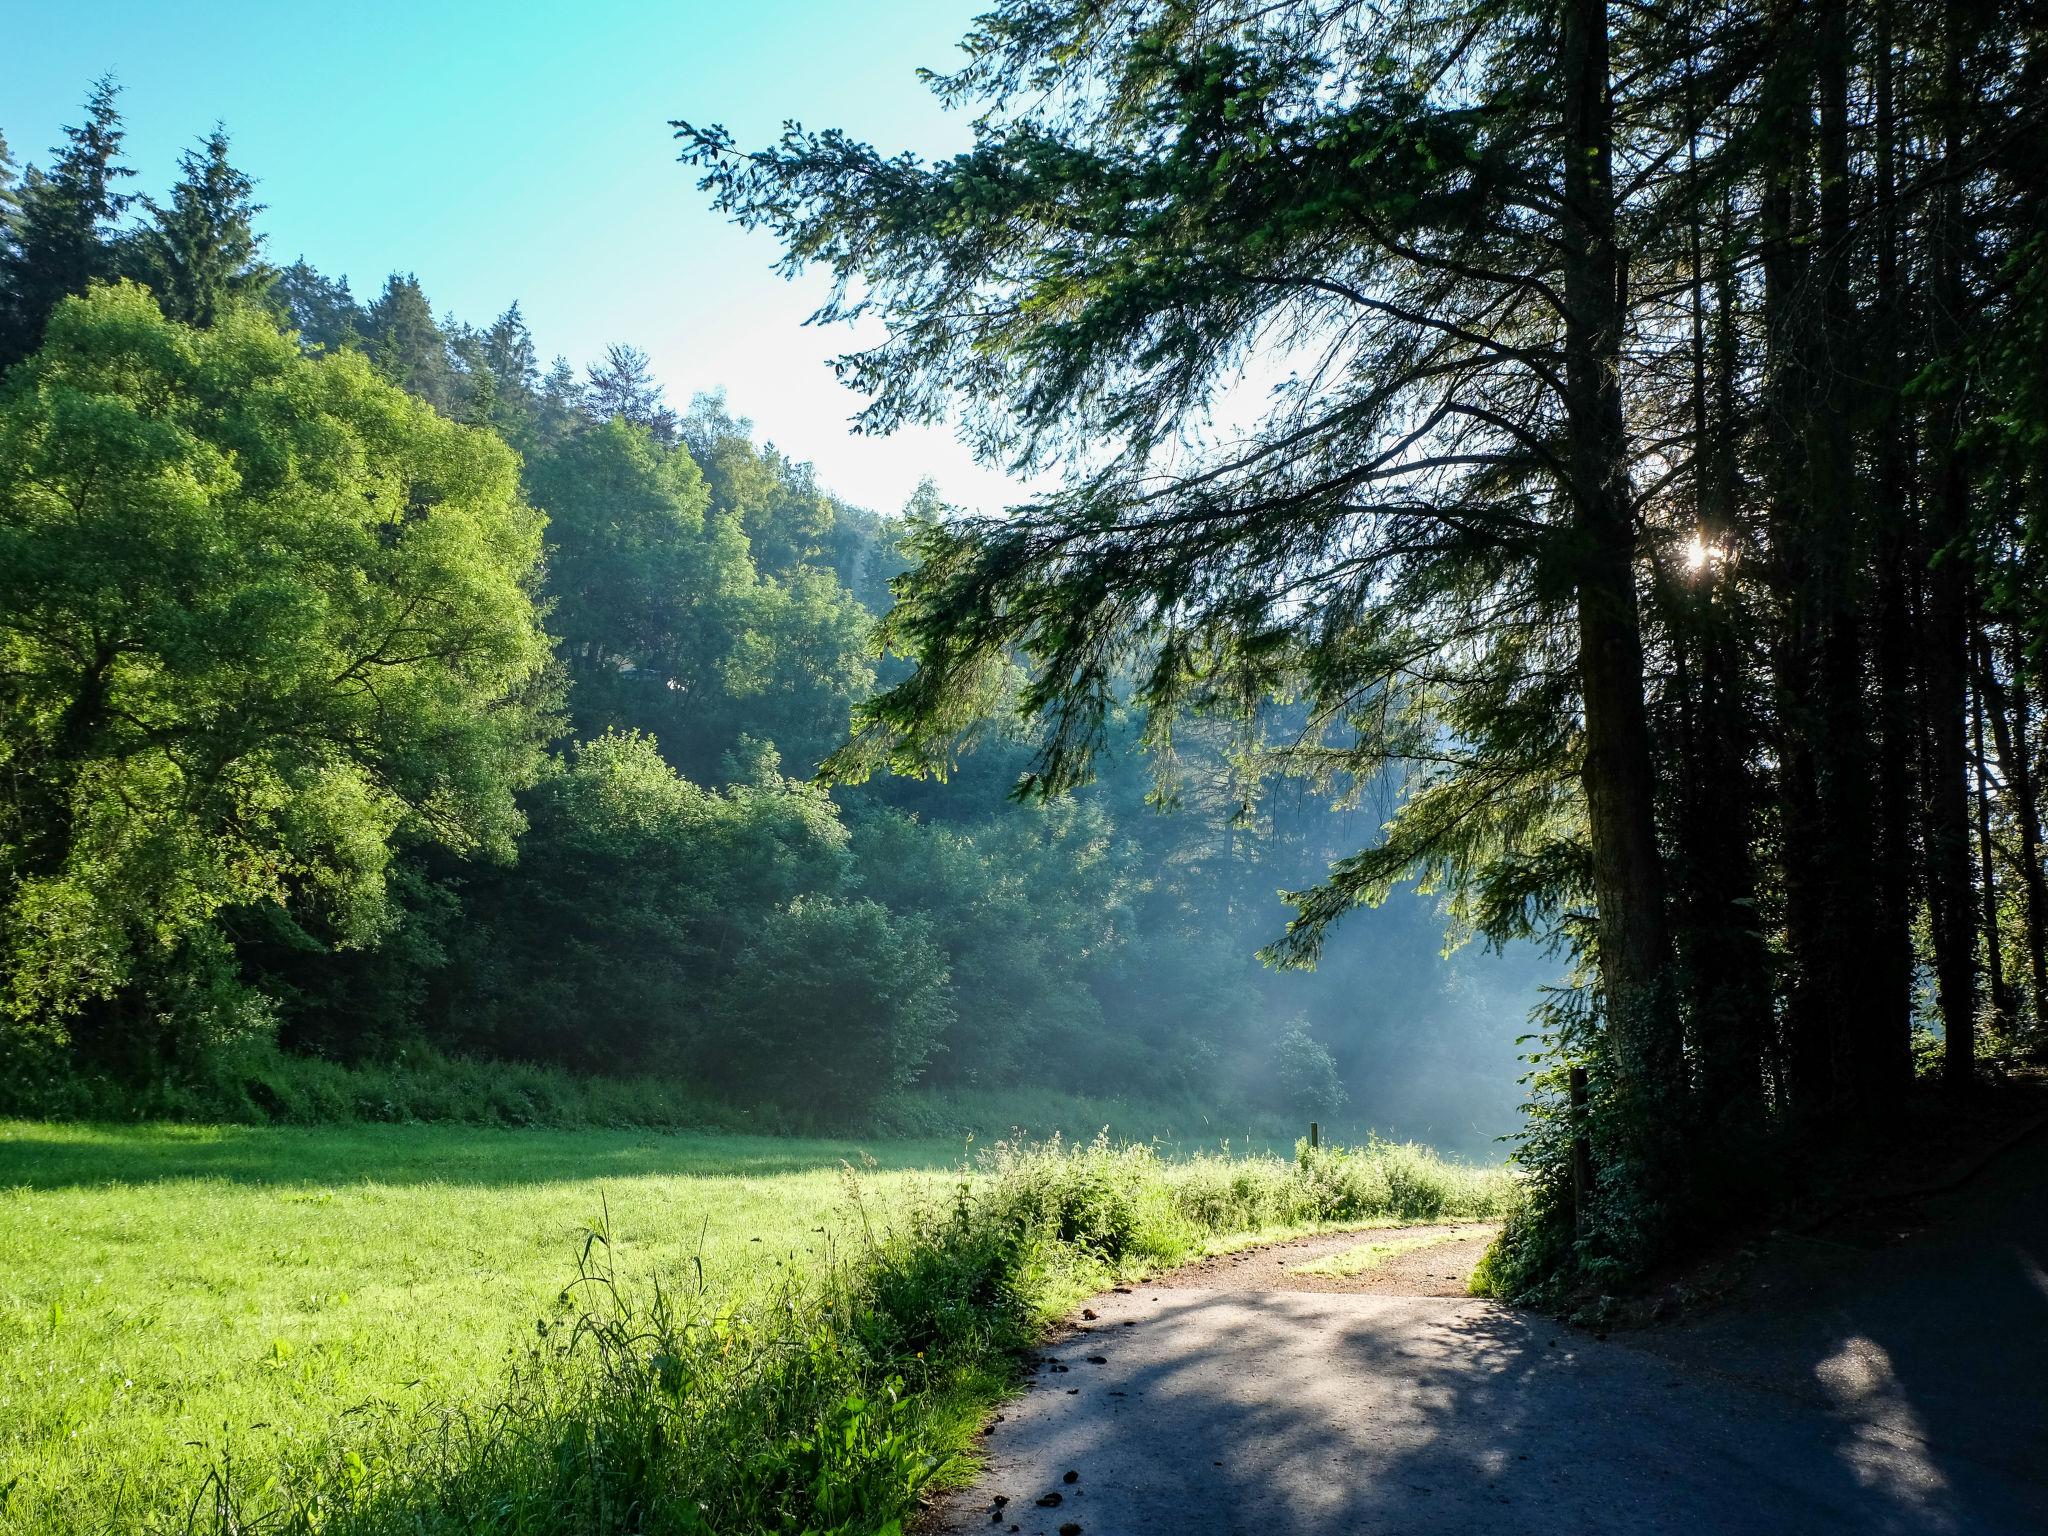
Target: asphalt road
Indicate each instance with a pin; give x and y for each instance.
(1874, 1381)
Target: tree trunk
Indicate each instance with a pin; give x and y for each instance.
(2026, 785)
(1618, 770)
(1721, 946)
(1987, 872)
(1806, 475)
(1945, 646)
(1890, 1063)
(2012, 736)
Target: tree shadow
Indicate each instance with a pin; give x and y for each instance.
(40, 1157)
(1905, 1392)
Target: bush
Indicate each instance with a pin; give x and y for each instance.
(609, 945)
(1332, 1184)
(833, 1005)
(1304, 1073)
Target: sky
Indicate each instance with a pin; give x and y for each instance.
(514, 150)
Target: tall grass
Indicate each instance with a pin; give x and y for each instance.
(836, 1401)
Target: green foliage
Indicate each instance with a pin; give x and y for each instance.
(10, 195)
(711, 606)
(621, 387)
(200, 254)
(832, 1004)
(256, 1083)
(775, 501)
(1028, 909)
(666, 624)
(260, 615)
(59, 227)
(619, 936)
(402, 340)
(1300, 1074)
(321, 310)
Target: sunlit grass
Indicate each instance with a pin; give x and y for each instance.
(183, 1304)
(1361, 1257)
(169, 1289)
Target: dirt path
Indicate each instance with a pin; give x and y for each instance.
(1397, 1261)
(1245, 1397)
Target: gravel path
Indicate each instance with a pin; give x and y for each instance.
(1899, 1391)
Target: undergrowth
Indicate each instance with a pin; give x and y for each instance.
(258, 1083)
(836, 1401)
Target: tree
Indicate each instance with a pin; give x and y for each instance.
(260, 615)
(834, 1004)
(1617, 428)
(1031, 915)
(666, 625)
(636, 575)
(402, 339)
(61, 225)
(622, 384)
(10, 195)
(1299, 1074)
(201, 253)
(502, 373)
(1428, 525)
(321, 309)
(616, 939)
(777, 503)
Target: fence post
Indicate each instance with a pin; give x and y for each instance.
(1315, 1135)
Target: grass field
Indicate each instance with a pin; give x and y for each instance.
(168, 1285)
(179, 1299)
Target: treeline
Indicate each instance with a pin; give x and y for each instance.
(370, 685)
(1656, 469)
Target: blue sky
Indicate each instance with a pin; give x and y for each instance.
(520, 151)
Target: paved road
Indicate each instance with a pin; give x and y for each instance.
(1886, 1382)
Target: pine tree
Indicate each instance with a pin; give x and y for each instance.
(1635, 444)
(407, 345)
(623, 384)
(10, 194)
(319, 308)
(201, 253)
(62, 225)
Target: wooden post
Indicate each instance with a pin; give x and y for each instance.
(1315, 1135)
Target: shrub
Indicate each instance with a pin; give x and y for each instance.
(260, 1084)
(1304, 1073)
(833, 1005)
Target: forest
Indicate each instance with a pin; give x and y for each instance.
(1432, 917)
(1624, 424)
(382, 694)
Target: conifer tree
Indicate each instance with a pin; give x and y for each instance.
(10, 194)
(1622, 425)
(407, 345)
(201, 252)
(62, 225)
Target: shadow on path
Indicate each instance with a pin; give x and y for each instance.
(1897, 1391)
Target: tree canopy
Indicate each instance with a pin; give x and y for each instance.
(261, 614)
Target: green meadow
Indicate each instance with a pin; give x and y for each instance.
(419, 1328)
(172, 1291)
